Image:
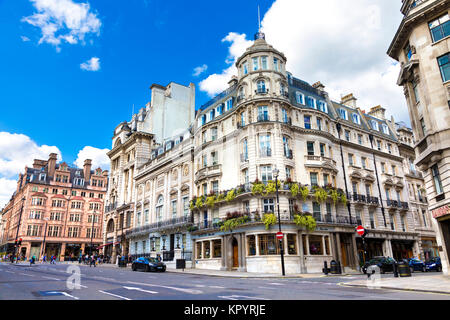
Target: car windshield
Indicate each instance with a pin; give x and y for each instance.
(153, 260)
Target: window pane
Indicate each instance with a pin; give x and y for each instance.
(315, 245)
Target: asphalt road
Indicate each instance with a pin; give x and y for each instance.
(50, 282)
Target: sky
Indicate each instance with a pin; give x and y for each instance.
(72, 70)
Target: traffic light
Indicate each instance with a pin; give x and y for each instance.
(15, 243)
(20, 242)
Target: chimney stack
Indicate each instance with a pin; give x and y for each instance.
(319, 86)
(349, 100)
(377, 112)
(52, 164)
(87, 169)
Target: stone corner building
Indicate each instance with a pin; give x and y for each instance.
(182, 187)
(56, 210)
(422, 46)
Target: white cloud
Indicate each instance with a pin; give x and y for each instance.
(18, 151)
(199, 70)
(98, 157)
(24, 39)
(341, 43)
(7, 188)
(92, 64)
(215, 83)
(63, 20)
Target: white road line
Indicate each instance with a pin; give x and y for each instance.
(191, 291)
(200, 285)
(103, 278)
(235, 297)
(8, 271)
(267, 288)
(50, 278)
(277, 284)
(28, 275)
(140, 289)
(114, 295)
(216, 287)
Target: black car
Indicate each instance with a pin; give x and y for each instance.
(148, 264)
(385, 264)
(433, 264)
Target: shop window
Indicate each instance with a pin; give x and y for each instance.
(207, 250)
(251, 242)
(268, 244)
(217, 248)
(327, 246)
(199, 250)
(292, 243)
(315, 245)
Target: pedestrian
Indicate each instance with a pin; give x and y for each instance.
(53, 258)
(92, 262)
(159, 257)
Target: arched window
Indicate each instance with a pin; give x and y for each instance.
(159, 208)
(241, 92)
(261, 85)
(110, 226)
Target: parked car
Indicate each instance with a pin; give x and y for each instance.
(148, 264)
(416, 264)
(433, 264)
(386, 264)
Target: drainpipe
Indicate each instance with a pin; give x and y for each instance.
(339, 128)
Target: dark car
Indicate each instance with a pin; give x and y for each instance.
(385, 264)
(148, 264)
(433, 264)
(416, 264)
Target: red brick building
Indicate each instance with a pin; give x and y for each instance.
(57, 209)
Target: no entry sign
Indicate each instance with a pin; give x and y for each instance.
(279, 235)
(360, 230)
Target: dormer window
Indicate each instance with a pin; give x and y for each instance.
(78, 182)
(42, 177)
(300, 98)
(160, 151)
(385, 129)
(343, 114)
(374, 125)
(203, 119)
(311, 102)
(356, 118)
(229, 104)
(212, 114)
(322, 106)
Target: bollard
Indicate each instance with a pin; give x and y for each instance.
(325, 268)
(395, 270)
(339, 267)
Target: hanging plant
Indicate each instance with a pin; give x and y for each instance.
(210, 201)
(294, 189)
(306, 221)
(335, 196)
(258, 188)
(343, 198)
(321, 195)
(230, 195)
(199, 203)
(304, 192)
(231, 224)
(269, 219)
(271, 187)
(220, 197)
(192, 205)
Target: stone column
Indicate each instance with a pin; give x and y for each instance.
(307, 245)
(257, 244)
(63, 251)
(224, 255)
(210, 249)
(242, 267)
(285, 246)
(355, 252)
(301, 253)
(338, 247)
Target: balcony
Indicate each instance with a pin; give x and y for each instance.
(240, 125)
(357, 197)
(160, 225)
(343, 220)
(214, 170)
(263, 118)
(244, 157)
(284, 94)
(240, 98)
(265, 152)
(287, 121)
(393, 204)
(404, 205)
(262, 91)
(319, 161)
(288, 153)
(373, 201)
(110, 207)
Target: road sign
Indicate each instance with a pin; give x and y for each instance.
(360, 230)
(279, 235)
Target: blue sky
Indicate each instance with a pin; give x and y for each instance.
(50, 103)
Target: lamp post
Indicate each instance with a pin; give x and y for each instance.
(275, 173)
(43, 242)
(92, 229)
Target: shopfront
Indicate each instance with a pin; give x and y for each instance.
(402, 249)
(53, 249)
(72, 251)
(374, 248)
(429, 248)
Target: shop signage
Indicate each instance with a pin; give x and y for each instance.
(442, 211)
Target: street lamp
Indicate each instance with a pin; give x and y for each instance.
(45, 234)
(92, 229)
(275, 173)
(17, 233)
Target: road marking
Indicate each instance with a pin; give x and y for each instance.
(235, 297)
(191, 291)
(103, 278)
(276, 284)
(200, 286)
(28, 275)
(267, 288)
(9, 271)
(114, 295)
(216, 287)
(64, 293)
(50, 278)
(139, 289)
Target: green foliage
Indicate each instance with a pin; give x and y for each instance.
(191, 205)
(343, 198)
(192, 228)
(258, 188)
(271, 187)
(294, 189)
(304, 192)
(320, 194)
(269, 219)
(334, 195)
(231, 224)
(210, 201)
(230, 195)
(220, 197)
(199, 203)
(306, 221)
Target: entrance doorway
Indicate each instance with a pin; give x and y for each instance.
(235, 253)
